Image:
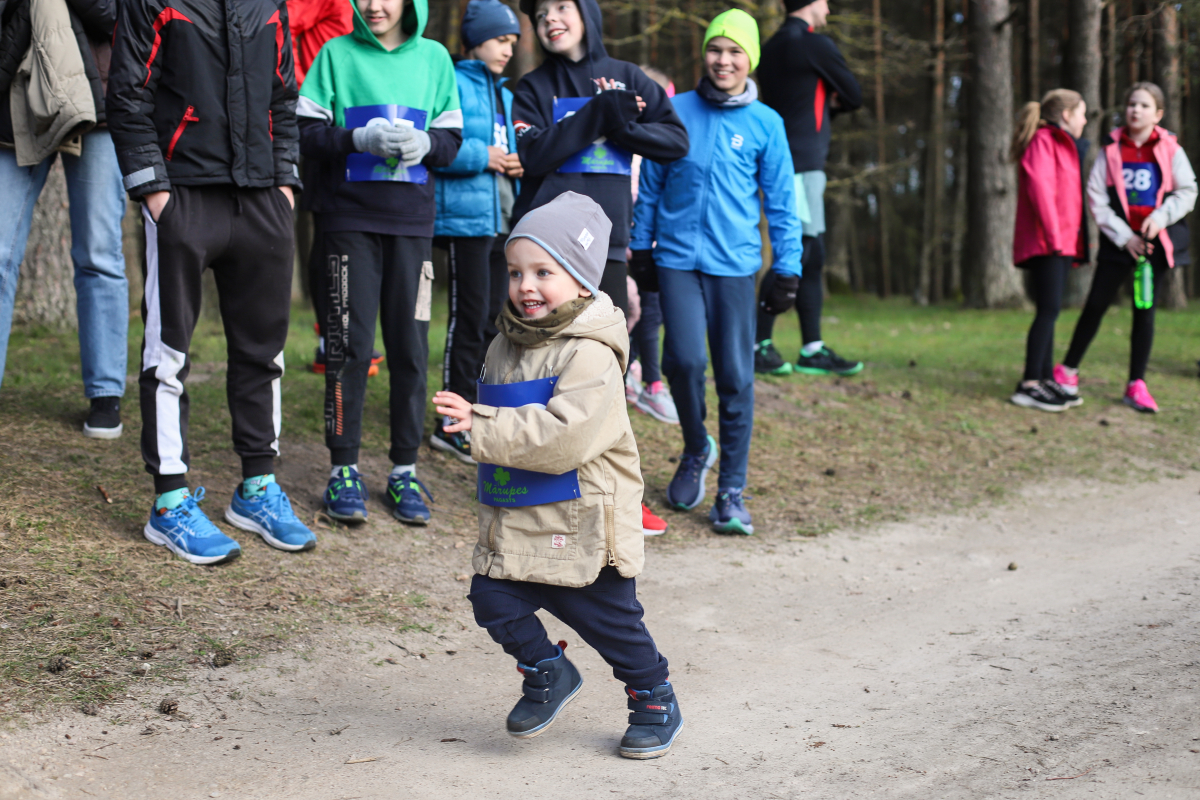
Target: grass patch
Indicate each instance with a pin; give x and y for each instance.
(925, 428)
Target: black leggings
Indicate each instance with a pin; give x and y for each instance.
(1105, 285)
(1049, 276)
(471, 295)
(809, 297)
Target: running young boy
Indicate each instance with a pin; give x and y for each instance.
(202, 109)
(378, 107)
(559, 482)
(579, 119)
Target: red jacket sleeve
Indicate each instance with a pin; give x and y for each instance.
(1040, 181)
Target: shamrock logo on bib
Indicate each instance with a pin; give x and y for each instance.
(501, 476)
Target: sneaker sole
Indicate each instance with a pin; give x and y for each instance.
(103, 433)
(540, 729)
(657, 415)
(1074, 401)
(734, 526)
(643, 753)
(785, 369)
(845, 373)
(154, 537)
(1025, 401)
(1138, 407)
(708, 464)
(245, 523)
(652, 532)
(356, 517)
(445, 447)
(409, 521)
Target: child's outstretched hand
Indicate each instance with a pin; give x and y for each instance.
(449, 404)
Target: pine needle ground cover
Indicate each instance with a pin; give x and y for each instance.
(88, 608)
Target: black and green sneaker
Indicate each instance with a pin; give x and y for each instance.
(827, 362)
(456, 444)
(767, 360)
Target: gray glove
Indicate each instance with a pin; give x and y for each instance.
(384, 141)
(414, 145)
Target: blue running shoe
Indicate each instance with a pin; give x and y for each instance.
(346, 496)
(270, 516)
(186, 532)
(729, 514)
(686, 489)
(407, 505)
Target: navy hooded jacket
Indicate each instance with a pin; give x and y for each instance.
(656, 133)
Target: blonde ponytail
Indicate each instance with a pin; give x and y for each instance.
(1034, 115)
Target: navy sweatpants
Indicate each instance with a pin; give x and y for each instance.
(606, 614)
(696, 306)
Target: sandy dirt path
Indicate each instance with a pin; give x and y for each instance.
(904, 661)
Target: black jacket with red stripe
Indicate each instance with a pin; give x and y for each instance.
(203, 92)
(798, 75)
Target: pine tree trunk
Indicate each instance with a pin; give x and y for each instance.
(1166, 75)
(992, 282)
(885, 261)
(839, 208)
(1033, 52)
(1083, 69)
(930, 287)
(46, 291)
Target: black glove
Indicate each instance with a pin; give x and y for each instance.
(781, 294)
(643, 271)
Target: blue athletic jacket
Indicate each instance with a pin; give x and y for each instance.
(703, 209)
(468, 200)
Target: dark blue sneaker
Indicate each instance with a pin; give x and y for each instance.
(270, 515)
(654, 722)
(729, 514)
(549, 685)
(404, 494)
(686, 489)
(189, 534)
(346, 496)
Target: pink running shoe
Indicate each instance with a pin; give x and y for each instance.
(633, 383)
(1137, 397)
(1069, 381)
(656, 401)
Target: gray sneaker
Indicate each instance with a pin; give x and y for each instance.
(656, 401)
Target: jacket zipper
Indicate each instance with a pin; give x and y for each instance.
(610, 536)
(270, 125)
(492, 530)
(188, 116)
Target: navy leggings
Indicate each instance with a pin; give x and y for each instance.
(606, 614)
(643, 342)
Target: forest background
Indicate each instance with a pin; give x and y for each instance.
(922, 196)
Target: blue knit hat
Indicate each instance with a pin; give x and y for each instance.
(487, 19)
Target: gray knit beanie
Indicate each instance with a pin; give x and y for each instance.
(574, 230)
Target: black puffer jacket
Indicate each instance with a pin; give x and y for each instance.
(203, 92)
(91, 20)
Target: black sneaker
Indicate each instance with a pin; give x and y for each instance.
(767, 360)
(549, 685)
(1038, 396)
(104, 419)
(456, 444)
(1070, 400)
(827, 362)
(654, 722)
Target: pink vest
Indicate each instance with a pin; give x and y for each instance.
(1164, 155)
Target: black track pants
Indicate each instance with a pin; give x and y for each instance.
(392, 276)
(613, 284)
(470, 301)
(810, 296)
(498, 265)
(245, 237)
(1049, 277)
(1105, 285)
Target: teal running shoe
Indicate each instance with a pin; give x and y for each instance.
(729, 514)
(270, 516)
(189, 534)
(767, 360)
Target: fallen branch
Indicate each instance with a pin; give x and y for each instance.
(361, 760)
(1072, 777)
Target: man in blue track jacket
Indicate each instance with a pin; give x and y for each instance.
(700, 214)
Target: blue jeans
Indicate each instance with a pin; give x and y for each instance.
(695, 305)
(101, 290)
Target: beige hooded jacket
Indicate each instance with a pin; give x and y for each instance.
(584, 427)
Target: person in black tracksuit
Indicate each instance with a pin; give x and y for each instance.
(650, 129)
(201, 104)
(804, 77)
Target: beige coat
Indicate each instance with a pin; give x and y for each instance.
(51, 99)
(585, 426)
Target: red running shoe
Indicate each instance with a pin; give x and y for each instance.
(652, 524)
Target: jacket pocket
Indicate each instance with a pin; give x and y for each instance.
(546, 531)
(188, 116)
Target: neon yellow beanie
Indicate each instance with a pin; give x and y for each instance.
(739, 26)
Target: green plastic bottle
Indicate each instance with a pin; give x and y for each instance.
(1143, 284)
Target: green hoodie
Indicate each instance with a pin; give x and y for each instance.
(356, 70)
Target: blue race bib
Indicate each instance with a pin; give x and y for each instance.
(512, 487)
(1142, 181)
(368, 167)
(601, 156)
(500, 134)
